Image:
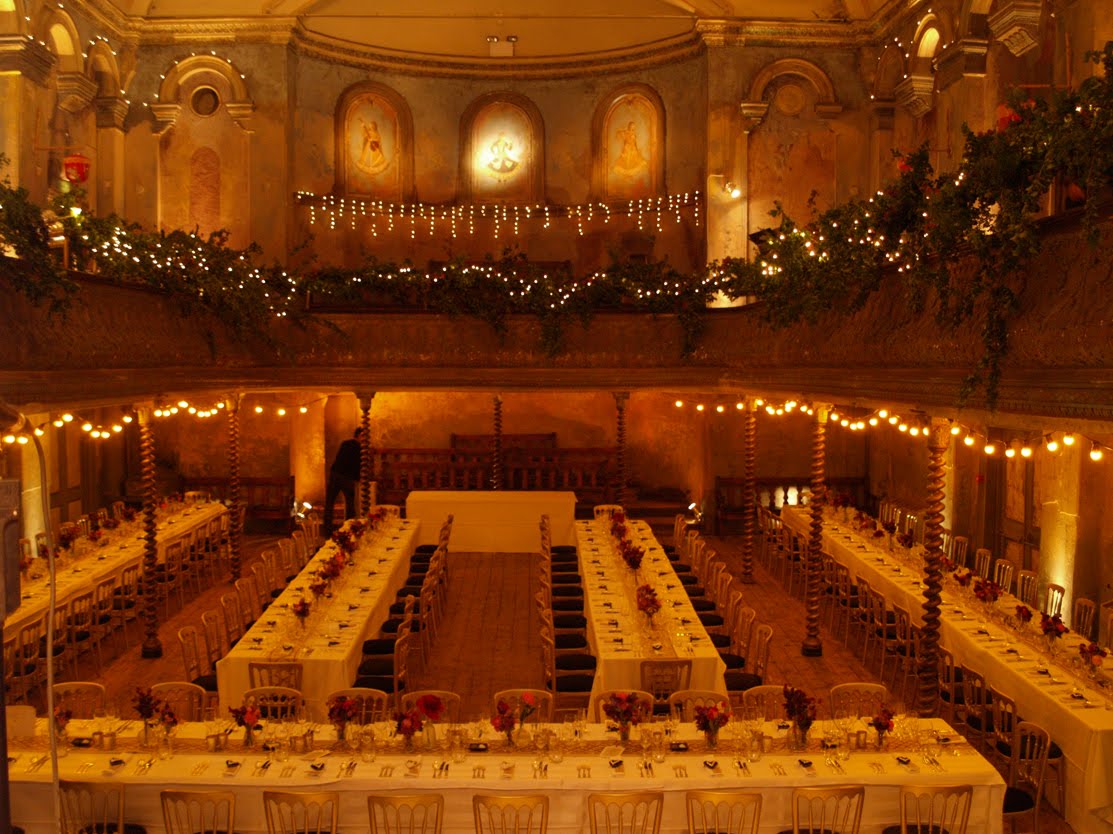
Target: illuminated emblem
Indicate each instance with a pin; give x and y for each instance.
(75, 168)
(504, 159)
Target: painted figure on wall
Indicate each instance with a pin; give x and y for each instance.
(371, 148)
(630, 133)
(503, 146)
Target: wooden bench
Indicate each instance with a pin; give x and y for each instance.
(774, 493)
(268, 499)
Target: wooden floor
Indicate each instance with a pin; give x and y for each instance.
(489, 641)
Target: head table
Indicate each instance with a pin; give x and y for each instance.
(1049, 690)
(566, 762)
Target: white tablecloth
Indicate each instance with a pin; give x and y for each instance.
(31, 807)
(1083, 727)
(494, 522)
(117, 550)
(329, 646)
(618, 632)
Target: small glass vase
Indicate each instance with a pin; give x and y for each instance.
(408, 743)
(510, 741)
(712, 739)
(248, 737)
(624, 732)
(882, 739)
(799, 738)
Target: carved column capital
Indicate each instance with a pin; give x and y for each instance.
(242, 113)
(75, 92)
(29, 58)
(915, 94)
(1016, 24)
(165, 115)
(753, 112)
(961, 59)
(112, 111)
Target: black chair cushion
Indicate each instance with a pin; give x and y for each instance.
(568, 591)
(564, 559)
(981, 723)
(570, 641)
(564, 548)
(688, 579)
(710, 620)
(1018, 801)
(1054, 751)
(379, 645)
(426, 548)
(741, 681)
(397, 609)
(569, 604)
(391, 626)
(720, 641)
(702, 605)
(914, 828)
(570, 621)
(383, 682)
(206, 682)
(377, 666)
(733, 661)
(408, 591)
(561, 580)
(574, 683)
(575, 662)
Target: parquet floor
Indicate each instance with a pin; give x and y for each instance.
(488, 640)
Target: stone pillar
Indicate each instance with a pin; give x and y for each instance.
(812, 645)
(32, 488)
(366, 454)
(749, 492)
(235, 528)
(307, 452)
(882, 115)
(25, 66)
(620, 400)
(109, 194)
(152, 646)
(927, 667)
(496, 449)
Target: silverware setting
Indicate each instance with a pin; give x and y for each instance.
(778, 769)
(834, 764)
(934, 762)
(386, 770)
(36, 763)
(143, 766)
(440, 770)
(877, 767)
(479, 772)
(199, 768)
(583, 771)
(287, 771)
(84, 767)
(680, 771)
(743, 767)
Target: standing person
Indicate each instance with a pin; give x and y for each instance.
(343, 477)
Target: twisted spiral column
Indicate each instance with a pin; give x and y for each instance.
(749, 493)
(235, 526)
(939, 438)
(366, 454)
(152, 646)
(496, 450)
(812, 645)
(620, 398)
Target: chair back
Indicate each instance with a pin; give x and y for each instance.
(605, 511)
(450, 703)
(766, 701)
(1055, 595)
(274, 673)
(91, 806)
(406, 813)
(834, 810)
(191, 653)
(935, 808)
(858, 699)
(757, 659)
(276, 702)
(743, 629)
(1027, 588)
(511, 813)
(83, 698)
(1082, 617)
(543, 700)
(302, 812)
(372, 705)
(625, 812)
(1003, 710)
(982, 559)
(1003, 573)
(233, 617)
(661, 678)
(187, 700)
(682, 704)
(596, 713)
(723, 812)
(1029, 759)
(199, 812)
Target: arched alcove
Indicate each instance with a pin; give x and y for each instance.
(502, 156)
(374, 143)
(628, 144)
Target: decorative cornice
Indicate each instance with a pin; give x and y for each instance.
(1016, 24)
(29, 58)
(915, 93)
(75, 91)
(961, 59)
(112, 111)
(165, 115)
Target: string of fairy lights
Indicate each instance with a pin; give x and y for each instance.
(1017, 444)
(456, 219)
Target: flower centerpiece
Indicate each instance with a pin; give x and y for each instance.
(618, 525)
(800, 709)
(626, 710)
(1052, 627)
(647, 600)
(332, 568)
(963, 576)
(318, 587)
(147, 706)
(883, 723)
(631, 554)
(110, 523)
(509, 716)
(357, 527)
(376, 518)
(342, 710)
(1093, 655)
(407, 724)
(129, 514)
(711, 719)
(25, 563)
(840, 500)
(1023, 615)
(66, 537)
(890, 528)
(301, 609)
(345, 540)
(247, 717)
(62, 717)
(987, 591)
(431, 707)
(946, 565)
(907, 540)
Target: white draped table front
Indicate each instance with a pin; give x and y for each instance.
(1046, 690)
(566, 782)
(619, 634)
(494, 522)
(329, 643)
(106, 558)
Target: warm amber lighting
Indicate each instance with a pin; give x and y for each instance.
(873, 421)
(39, 432)
(87, 427)
(183, 404)
(759, 402)
(883, 413)
(914, 431)
(303, 410)
(844, 422)
(720, 409)
(956, 430)
(1096, 454)
(968, 440)
(281, 412)
(1026, 451)
(699, 407)
(192, 409)
(679, 403)
(9, 438)
(22, 440)
(893, 420)
(989, 449)
(1053, 445)
(258, 409)
(1068, 439)
(117, 428)
(68, 418)
(58, 423)
(1010, 452)
(127, 418)
(902, 427)
(835, 416)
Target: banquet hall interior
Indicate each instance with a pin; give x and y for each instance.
(716, 395)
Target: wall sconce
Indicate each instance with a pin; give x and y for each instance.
(730, 187)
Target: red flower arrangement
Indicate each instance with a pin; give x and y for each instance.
(357, 527)
(889, 527)
(345, 540)
(840, 499)
(906, 540)
(879, 534)
(1092, 652)
(376, 518)
(407, 723)
(618, 525)
(300, 609)
(146, 703)
(110, 523)
(95, 534)
(624, 709)
(66, 537)
(128, 514)
(61, 717)
(963, 577)
(506, 717)
(246, 716)
(1052, 626)
(712, 719)
(648, 603)
(25, 563)
(1024, 614)
(945, 564)
(800, 707)
(632, 555)
(167, 718)
(986, 590)
(331, 569)
(318, 587)
(341, 711)
(431, 706)
(883, 721)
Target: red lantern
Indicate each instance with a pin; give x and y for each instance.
(75, 168)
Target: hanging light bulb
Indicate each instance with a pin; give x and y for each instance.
(873, 421)
(989, 448)
(1096, 453)
(679, 403)
(720, 409)
(883, 413)
(699, 407)
(1068, 439)
(1026, 451)
(968, 440)
(956, 430)
(1010, 452)
(914, 431)
(1052, 445)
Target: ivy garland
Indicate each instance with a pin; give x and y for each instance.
(835, 263)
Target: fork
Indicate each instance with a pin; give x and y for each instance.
(386, 770)
(85, 767)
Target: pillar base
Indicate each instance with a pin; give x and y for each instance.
(812, 649)
(151, 650)
(747, 579)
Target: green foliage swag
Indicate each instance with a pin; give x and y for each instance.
(910, 232)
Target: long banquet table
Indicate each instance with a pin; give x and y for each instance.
(617, 631)
(116, 550)
(329, 643)
(566, 782)
(1078, 718)
(495, 521)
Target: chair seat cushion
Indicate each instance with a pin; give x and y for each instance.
(377, 666)
(206, 682)
(741, 681)
(397, 609)
(1054, 751)
(575, 662)
(564, 559)
(383, 682)
(426, 548)
(570, 641)
(575, 683)
(720, 641)
(981, 723)
(569, 604)
(1018, 801)
(570, 621)
(915, 828)
(568, 591)
(732, 661)
(564, 548)
(688, 579)
(710, 620)
(702, 605)
(379, 645)
(391, 626)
